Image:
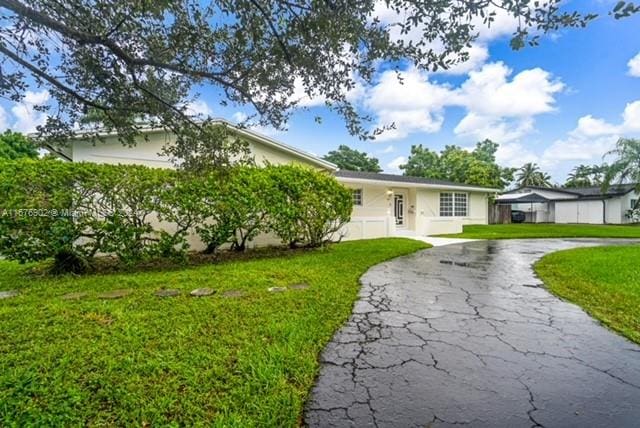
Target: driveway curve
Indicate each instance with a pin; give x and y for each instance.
(465, 335)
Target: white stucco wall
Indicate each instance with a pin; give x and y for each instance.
(429, 222)
(625, 204)
(588, 212)
(615, 211)
(422, 211)
(148, 152)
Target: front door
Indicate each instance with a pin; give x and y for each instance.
(398, 208)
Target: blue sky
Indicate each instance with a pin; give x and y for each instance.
(562, 103)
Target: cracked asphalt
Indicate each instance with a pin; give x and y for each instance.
(465, 334)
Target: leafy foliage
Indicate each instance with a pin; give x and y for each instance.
(531, 175)
(73, 211)
(476, 167)
(305, 208)
(14, 145)
(353, 160)
(123, 62)
(626, 166)
(586, 176)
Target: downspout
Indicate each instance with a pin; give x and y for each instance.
(604, 211)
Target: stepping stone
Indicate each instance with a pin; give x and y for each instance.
(299, 286)
(74, 296)
(9, 293)
(167, 293)
(233, 293)
(115, 294)
(277, 289)
(202, 292)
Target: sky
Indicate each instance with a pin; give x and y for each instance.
(563, 103)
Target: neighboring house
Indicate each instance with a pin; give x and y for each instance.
(572, 205)
(384, 204)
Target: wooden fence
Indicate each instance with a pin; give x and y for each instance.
(499, 214)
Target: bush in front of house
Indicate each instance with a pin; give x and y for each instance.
(305, 207)
(234, 206)
(72, 212)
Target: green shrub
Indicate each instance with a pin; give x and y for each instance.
(235, 207)
(41, 212)
(306, 207)
(71, 212)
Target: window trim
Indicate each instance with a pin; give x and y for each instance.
(633, 202)
(359, 192)
(453, 207)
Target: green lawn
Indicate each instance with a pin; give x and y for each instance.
(513, 231)
(149, 361)
(605, 281)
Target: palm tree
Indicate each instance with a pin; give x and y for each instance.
(626, 168)
(580, 176)
(531, 175)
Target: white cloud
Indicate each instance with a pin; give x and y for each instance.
(497, 105)
(503, 24)
(577, 149)
(514, 155)
(592, 138)
(500, 129)
(4, 122)
(388, 149)
(478, 55)
(27, 118)
(634, 66)
(198, 108)
(589, 126)
(502, 109)
(489, 92)
(239, 117)
(394, 165)
(302, 98)
(408, 100)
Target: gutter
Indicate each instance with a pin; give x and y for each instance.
(417, 185)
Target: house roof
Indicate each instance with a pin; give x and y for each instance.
(613, 190)
(522, 198)
(400, 180)
(546, 189)
(583, 193)
(253, 135)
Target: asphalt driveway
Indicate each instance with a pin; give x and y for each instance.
(464, 334)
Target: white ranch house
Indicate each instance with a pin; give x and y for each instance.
(384, 204)
(573, 205)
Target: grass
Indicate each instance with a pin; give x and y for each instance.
(148, 361)
(604, 281)
(522, 230)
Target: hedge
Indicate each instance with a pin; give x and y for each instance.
(73, 212)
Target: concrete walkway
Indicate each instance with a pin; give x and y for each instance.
(464, 334)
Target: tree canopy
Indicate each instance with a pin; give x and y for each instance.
(14, 145)
(531, 175)
(353, 160)
(454, 163)
(625, 168)
(129, 62)
(586, 176)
